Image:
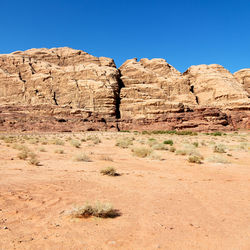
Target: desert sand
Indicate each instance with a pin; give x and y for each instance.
(165, 202)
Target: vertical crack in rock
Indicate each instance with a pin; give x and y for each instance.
(76, 81)
(20, 77)
(192, 91)
(118, 97)
(54, 98)
(32, 68)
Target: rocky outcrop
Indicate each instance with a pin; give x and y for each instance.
(153, 88)
(243, 76)
(63, 89)
(215, 86)
(155, 95)
(59, 82)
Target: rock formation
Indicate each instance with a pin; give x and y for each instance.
(63, 89)
(243, 76)
(61, 82)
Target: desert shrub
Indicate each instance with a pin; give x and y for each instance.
(186, 149)
(141, 152)
(217, 133)
(160, 146)
(57, 142)
(220, 148)
(172, 149)
(33, 160)
(106, 158)
(23, 155)
(21, 147)
(99, 209)
(196, 144)
(194, 159)
(75, 143)
(218, 159)
(95, 139)
(169, 142)
(59, 151)
(124, 142)
(109, 171)
(154, 156)
(9, 139)
(42, 149)
(83, 157)
(181, 152)
(33, 141)
(152, 141)
(170, 132)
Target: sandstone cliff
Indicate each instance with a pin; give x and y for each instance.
(243, 76)
(59, 82)
(63, 89)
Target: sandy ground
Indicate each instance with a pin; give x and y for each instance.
(164, 204)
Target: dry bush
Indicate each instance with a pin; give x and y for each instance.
(75, 143)
(172, 149)
(124, 142)
(187, 149)
(23, 155)
(194, 159)
(169, 142)
(218, 159)
(106, 158)
(42, 149)
(154, 156)
(160, 146)
(152, 141)
(142, 152)
(95, 139)
(83, 157)
(102, 210)
(59, 151)
(33, 159)
(57, 142)
(220, 148)
(109, 171)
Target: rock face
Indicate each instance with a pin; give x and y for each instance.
(243, 76)
(203, 97)
(59, 82)
(63, 89)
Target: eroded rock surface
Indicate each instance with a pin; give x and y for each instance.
(63, 89)
(60, 82)
(243, 76)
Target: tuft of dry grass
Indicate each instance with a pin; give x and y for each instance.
(23, 155)
(33, 159)
(59, 151)
(99, 209)
(75, 143)
(124, 142)
(106, 158)
(218, 159)
(109, 171)
(142, 152)
(194, 159)
(160, 146)
(82, 157)
(172, 149)
(220, 148)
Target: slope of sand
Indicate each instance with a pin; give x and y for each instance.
(164, 204)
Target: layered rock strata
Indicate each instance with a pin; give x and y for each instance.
(63, 89)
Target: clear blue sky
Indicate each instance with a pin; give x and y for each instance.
(184, 32)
